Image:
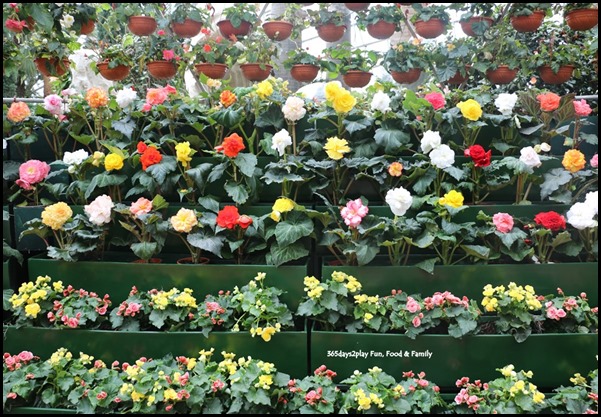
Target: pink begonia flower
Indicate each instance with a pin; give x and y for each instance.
(423, 383)
(416, 321)
(141, 206)
(555, 313)
(53, 103)
(168, 54)
(436, 100)
(582, 108)
(595, 161)
(412, 305)
(32, 172)
(25, 356)
(503, 222)
(169, 89)
(156, 96)
(570, 304)
(353, 213)
(146, 107)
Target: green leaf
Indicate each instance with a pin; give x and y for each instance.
(206, 242)
(42, 16)
(391, 138)
(160, 171)
(353, 126)
(144, 250)
(554, 179)
(480, 252)
(217, 172)
(510, 238)
(296, 226)
(125, 126)
(366, 253)
(157, 318)
(560, 239)
(209, 203)
(104, 179)
(229, 118)
(427, 265)
(282, 254)
(273, 117)
(246, 162)
(236, 192)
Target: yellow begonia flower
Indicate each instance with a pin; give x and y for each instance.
(56, 215)
(315, 292)
(170, 394)
(267, 333)
(264, 89)
(137, 396)
(32, 310)
(332, 90)
(184, 220)
(344, 102)
(538, 397)
(367, 317)
(470, 109)
(452, 199)
(113, 162)
(184, 153)
(573, 160)
(336, 148)
(283, 205)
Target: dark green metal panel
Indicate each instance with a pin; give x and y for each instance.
(552, 358)
(287, 350)
(36, 410)
(468, 280)
(7, 274)
(116, 275)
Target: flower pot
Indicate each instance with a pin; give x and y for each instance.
(430, 29)
(582, 19)
(214, 71)
(330, 32)
(357, 7)
(227, 29)
(357, 79)
(468, 28)
(254, 72)
(406, 77)
(304, 73)
(162, 70)
(502, 75)
(52, 67)
(87, 27)
(550, 77)
(113, 74)
(186, 29)
(459, 78)
(141, 25)
(381, 29)
(190, 261)
(149, 261)
(528, 23)
(278, 30)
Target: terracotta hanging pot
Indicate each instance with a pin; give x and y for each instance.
(459, 78)
(304, 73)
(357, 79)
(161, 70)
(528, 23)
(190, 261)
(149, 261)
(142, 25)
(227, 29)
(563, 75)
(87, 27)
(254, 72)
(381, 29)
(501, 75)
(118, 73)
(186, 29)
(467, 26)
(357, 7)
(278, 30)
(52, 67)
(406, 77)
(430, 29)
(582, 19)
(330, 32)
(214, 71)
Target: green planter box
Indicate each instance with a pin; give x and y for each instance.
(117, 274)
(8, 278)
(36, 410)
(468, 280)
(287, 350)
(553, 358)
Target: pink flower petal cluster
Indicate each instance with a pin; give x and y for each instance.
(353, 213)
(503, 222)
(31, 173)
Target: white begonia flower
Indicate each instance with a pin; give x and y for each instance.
(505, 103)
(99, 210)
(545, 147)
(581, 216)
(294, 109)
(592, 200)
(280, 140)
(430, 141)
(399, 200)
(529, 157)
(380, 102)
(125, 97)
(75, 158)
(442, 157)
(67, 21)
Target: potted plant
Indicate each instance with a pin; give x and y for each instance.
(256, 56)
(239, 19)
(527, 17)
(303, 66)
(141, 17)
(50, 52)
(430, 21)
(452, 60)
(163, 54)
(380, 21)
(406, 61)
(556, 58)
(329, 23)
(213, 55)
(116, 60)
(289, 23)
(477, 18)
(353, 64)
(356, 7)
(581, 16)
(187, 19)
(80, 16)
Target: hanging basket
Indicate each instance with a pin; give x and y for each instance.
(161, 70)
(227, 29)
(304, 73)
(214, 71)
(406, 77)
(528, 23)
(501, 75)
(357, 7)
(118, 73)
(468, 28)
(430, 29)
(330, 32)
(52, 67)
(459, 78)
(186, 29)
(254, 72)
(582, 19)
(381, 29)
(278, 30)
(142, 25)
(356, 79)
(550, 77)
(87, 27)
